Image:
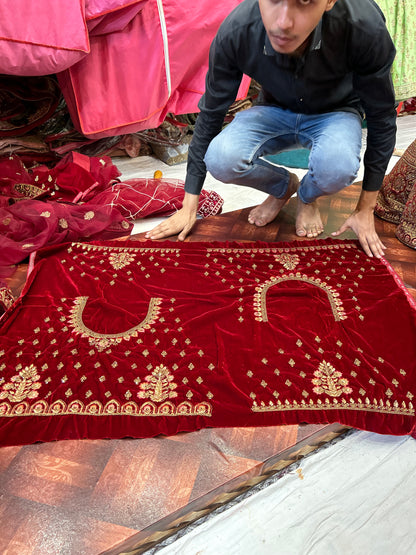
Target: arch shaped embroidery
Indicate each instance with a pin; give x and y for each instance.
(259, 302)
(102, 341)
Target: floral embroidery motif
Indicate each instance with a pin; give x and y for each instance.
(89, 215)
(46, 214)
(159, 386)
(289, 261)
(366, 405)
(330, 381)
(119, 260)
(102, 341)
(112, 408)
(63, 223)
(259, 301)
(22, 386)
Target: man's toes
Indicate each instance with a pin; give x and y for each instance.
(301, 231)
(252, 218)
(260, 222)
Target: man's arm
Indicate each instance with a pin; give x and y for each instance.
(372, 82)
(371, 60)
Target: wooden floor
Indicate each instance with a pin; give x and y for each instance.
(125, 496)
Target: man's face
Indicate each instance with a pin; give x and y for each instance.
(289, 23)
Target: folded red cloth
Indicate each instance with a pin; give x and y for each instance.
(138, 198)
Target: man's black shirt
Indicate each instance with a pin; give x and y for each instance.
(347, 67)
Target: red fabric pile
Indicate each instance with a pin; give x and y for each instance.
(81, 198)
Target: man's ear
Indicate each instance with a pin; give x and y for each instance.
(330, 5)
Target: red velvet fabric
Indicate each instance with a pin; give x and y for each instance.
(114, 339)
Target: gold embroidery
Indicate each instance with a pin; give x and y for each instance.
(289, 261)
(367, 406)
(28, 190)
(22, 386)
(158, 386)
(259, 302)
(46, 214)
(113, 408)
(89, 215)
(273, 250)
(140, 250)
(119, 260)
(102, 341)
(330, 381)
(6, 297)
(63, 223)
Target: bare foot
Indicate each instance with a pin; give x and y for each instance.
(308, 220)
(267, 211)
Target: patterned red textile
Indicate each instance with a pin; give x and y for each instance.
(406, 230)
(139, 339)
(141, 197)
(397, 186)
(396, 201)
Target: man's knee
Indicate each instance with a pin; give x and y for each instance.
(337, 172)
(224, 161)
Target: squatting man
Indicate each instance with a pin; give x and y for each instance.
(323, 65)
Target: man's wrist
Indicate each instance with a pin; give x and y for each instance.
(190, 201)
(367, 201)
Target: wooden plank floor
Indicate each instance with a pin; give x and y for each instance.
(124, 496)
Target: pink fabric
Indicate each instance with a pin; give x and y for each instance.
(130, 91)
(109, 16)
(98, 8)
(42, 37)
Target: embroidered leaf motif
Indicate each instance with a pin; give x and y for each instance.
(330, 381)
(119, 260)
(22, 386)
(289, 261)
(158, 386)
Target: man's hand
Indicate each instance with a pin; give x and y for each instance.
(361, 222)
(181, 222)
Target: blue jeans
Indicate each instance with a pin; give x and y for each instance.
(236, 155)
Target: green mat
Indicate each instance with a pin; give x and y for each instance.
(298, 158)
